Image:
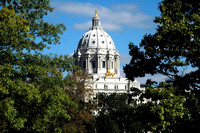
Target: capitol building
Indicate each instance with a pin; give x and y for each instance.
(96, 54)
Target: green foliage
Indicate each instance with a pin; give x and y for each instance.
(36, 104)
(13, 26)
(79, 90)
(161, 107)
(117, 114)
(32, 94)
(174, 47)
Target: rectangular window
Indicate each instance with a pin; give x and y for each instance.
(93, 64)
(84, 64)
(103, 64)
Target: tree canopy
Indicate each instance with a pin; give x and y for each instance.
(33, 96)
(116, 114)
(36, 97)
(173, 48)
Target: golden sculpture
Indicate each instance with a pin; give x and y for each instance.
(96, 16)
(108, 74)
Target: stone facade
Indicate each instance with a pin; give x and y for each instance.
(96, 54)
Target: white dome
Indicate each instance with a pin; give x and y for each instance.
(96, 51)
(96, 38)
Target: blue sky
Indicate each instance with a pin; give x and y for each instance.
(123, 20)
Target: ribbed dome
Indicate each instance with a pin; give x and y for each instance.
(96, 51)
(96, 38)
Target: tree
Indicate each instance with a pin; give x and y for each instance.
(32, 95)
(79, 90)
(174, 47)
(160, 108)
(117, 114)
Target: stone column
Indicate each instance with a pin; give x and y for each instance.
(118, 60)
(99, 64)
(86, 63)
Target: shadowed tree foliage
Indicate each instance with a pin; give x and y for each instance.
(173, 48)
(175, 45)
(80, 91)
(159, 108)
(156, 109)
(117, 114)
(32, 86)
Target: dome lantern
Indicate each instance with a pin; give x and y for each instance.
(96, 23)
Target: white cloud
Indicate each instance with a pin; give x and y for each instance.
(125, 58)
(111, 27)
(83, 26)
(113, 18)
(71, 54)
(129, 7)
(186, 71)
(159, 77)
(156, 77)
(122, 72)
